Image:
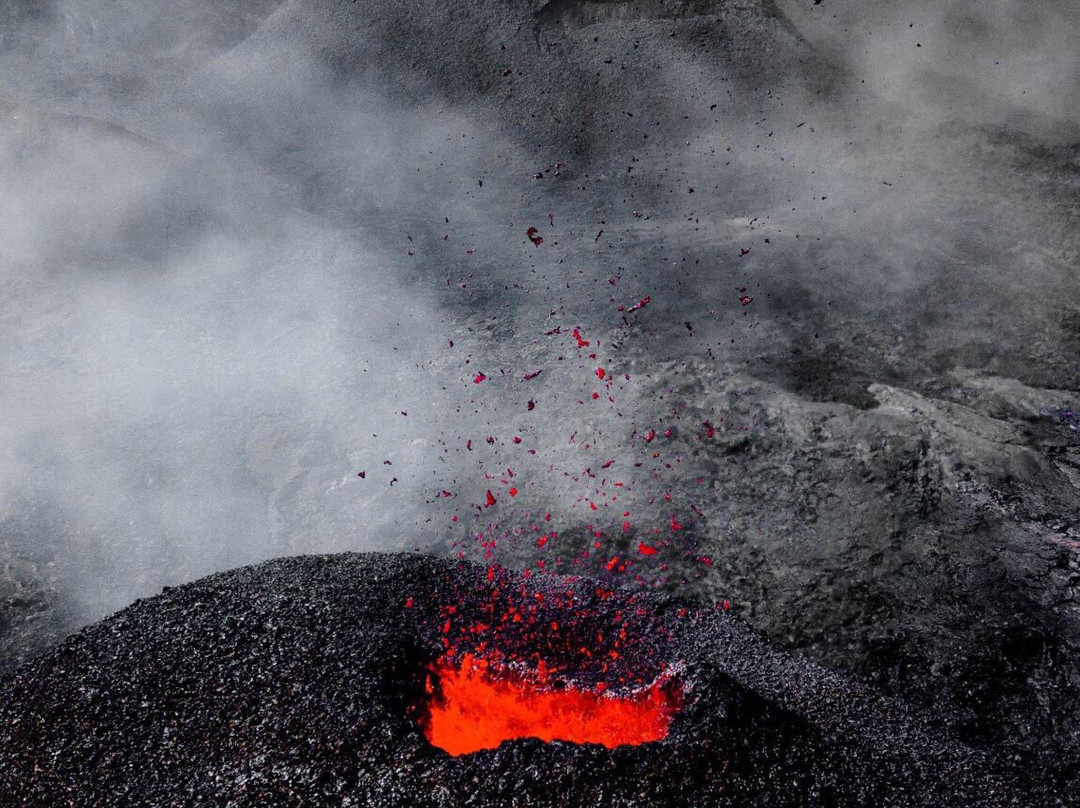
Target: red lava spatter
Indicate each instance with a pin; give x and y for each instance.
(617, 506)
(607, 495)
(570, 661)
(573, 629)
(611, 528)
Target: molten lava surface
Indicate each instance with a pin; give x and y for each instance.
(475, 706)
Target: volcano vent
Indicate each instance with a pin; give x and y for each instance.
(358, 680)
(474, 705)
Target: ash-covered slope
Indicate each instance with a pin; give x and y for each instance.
(302, 681)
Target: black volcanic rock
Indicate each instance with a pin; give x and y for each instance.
(301, 681)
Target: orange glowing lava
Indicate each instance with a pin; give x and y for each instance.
(472, 708)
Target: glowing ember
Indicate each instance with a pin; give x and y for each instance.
(475, 706)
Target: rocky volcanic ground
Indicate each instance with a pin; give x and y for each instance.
(767, 303)
(301, 681)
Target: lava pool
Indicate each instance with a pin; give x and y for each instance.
(475, 705)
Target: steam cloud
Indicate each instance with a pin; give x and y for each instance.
(231, 278)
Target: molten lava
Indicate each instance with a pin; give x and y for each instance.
(473, 706)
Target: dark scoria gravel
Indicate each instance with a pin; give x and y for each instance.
(300, 682)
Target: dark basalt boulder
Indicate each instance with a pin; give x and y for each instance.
(302, 681)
